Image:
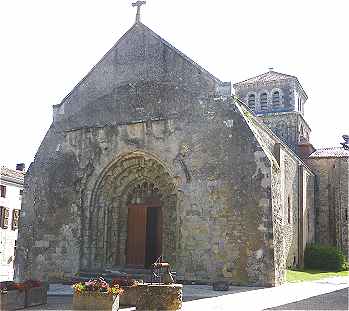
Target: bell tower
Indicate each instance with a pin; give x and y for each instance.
(279, 100)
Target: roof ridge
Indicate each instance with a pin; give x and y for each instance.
(336, 147)
(94, 66)
(181, 53)
(265, 74)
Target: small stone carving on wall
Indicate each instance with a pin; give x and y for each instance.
(183, 174)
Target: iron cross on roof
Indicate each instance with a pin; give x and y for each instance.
(138, 4)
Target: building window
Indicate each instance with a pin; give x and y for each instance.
(264, 101)
(252, 101)
(299, 104)
(15, 218)
(21, 192)
(276, 100)
(4, 215)
(288, 210)
(15, 250)
(2, 191)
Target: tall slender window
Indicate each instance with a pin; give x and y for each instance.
(252, 101)
(308, 225)
(276, 100)
(264, 101)
(288, 210)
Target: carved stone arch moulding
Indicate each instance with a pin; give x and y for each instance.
(132, 177)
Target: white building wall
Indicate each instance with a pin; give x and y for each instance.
(8, 236)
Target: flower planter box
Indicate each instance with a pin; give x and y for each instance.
(95, 301)
(36, 296)
(12, 300)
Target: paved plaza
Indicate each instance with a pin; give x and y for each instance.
(330, 293)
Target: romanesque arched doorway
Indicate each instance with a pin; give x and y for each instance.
(133, 214)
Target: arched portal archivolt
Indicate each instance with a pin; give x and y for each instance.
(132, 177)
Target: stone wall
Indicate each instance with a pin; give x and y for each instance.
(223, 232)
(293, 205)
(290, 127)
(332, 204)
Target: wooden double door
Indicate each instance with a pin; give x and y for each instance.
(144, 235)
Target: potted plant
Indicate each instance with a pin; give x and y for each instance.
(96, 294)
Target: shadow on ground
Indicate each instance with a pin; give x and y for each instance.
(337, 300)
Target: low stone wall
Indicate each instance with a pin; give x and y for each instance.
(159, 297)
(12, 300)
(23, 298)
(36, 296)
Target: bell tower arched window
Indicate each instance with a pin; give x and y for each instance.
(276, 100)
(264, 101)
(252, 101)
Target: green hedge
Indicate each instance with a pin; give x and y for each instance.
(326, 258)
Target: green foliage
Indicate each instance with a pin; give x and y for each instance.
(326, 258)
(311, 275)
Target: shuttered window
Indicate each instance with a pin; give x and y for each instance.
(15, 218)
(2, 191)
(4, 217)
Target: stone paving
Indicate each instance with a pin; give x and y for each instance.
(202, 297)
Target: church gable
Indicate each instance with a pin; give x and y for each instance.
(141, 77)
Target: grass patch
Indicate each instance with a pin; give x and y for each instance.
(311, 275)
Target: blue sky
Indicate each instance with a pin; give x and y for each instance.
(48, 46)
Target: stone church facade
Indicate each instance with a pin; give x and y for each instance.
(149, 155)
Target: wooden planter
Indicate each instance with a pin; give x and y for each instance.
(36, 296)
(95, 301)
(12, 300)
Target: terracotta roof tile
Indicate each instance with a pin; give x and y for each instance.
(334, 152)
(4, 171)
(269, 76)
